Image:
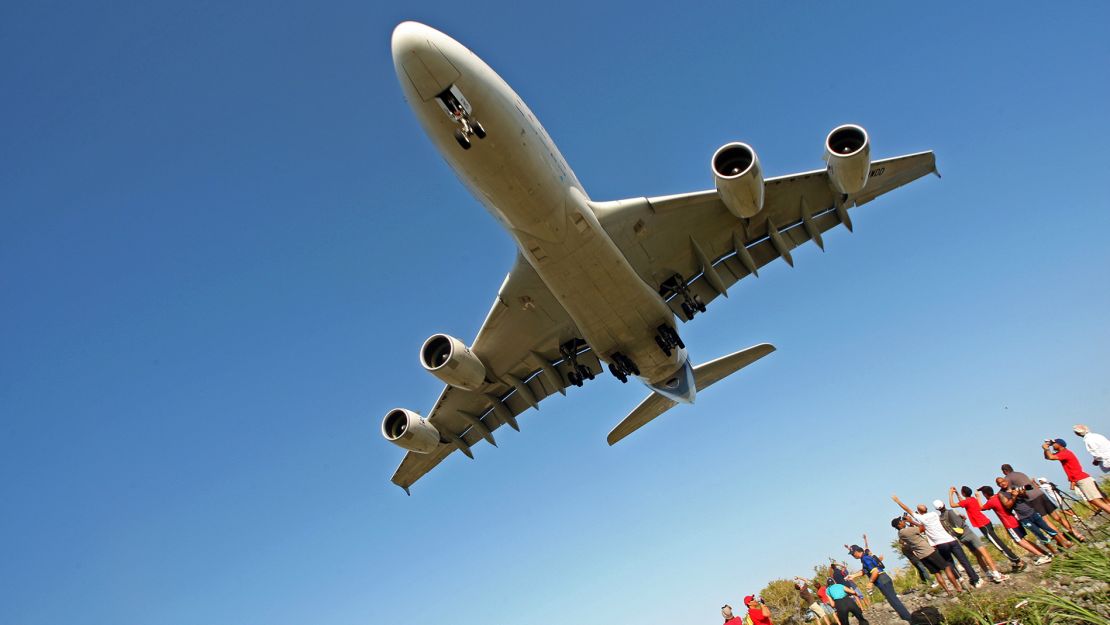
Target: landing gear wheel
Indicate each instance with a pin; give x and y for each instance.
(663, 345)
(699, 304)
(585, 372)
(462, 139)
(617, 373)
(478, 129)
(574, 378)
(689, 311)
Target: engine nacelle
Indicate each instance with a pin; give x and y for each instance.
(409, 430)
(739, 179)
(848, 153)
(450, 360)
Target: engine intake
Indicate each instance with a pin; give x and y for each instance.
(450, 360)
(848, 153)
(739, 179)
(410, 431)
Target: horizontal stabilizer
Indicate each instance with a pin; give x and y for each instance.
(705, 375)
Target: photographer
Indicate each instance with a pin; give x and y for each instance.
(1017, 502)
(1085, 484)
(758, 612)
(1041, 504)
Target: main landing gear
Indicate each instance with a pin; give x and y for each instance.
(460, 112)
(691, 304)
(622, 367)
(579, 373)
(668, 339)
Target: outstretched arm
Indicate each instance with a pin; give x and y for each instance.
(900, 504)
(865, 545)
(952, 503)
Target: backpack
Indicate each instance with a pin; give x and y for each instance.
(927, 615)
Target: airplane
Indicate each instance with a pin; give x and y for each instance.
(598, 284)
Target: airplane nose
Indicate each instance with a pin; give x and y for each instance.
(417, 56)
(409, 37)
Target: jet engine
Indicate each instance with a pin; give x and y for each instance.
(739, 179)
(409, 430)
(450, 360)
(848, 153)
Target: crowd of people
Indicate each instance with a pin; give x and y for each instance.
(1034, 514)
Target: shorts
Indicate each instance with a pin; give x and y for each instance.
(971, 540)
(1043, 505)
(1017, 533)
(1088, 488)
(816, 608)
(828, 609)
(934, 563)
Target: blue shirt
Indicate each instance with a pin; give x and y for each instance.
(837, 591)
(870, 562)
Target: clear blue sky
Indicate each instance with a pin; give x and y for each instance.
(215, 276)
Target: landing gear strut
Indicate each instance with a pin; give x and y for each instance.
(578, 372)
(668, 339)
(460, 113)
(622, 366)
(691, 304)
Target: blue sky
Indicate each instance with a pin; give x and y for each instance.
(215, 279)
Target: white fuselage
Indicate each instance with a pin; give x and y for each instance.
(519, 175)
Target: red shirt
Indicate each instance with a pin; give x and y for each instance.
(821, 592)
(974, 512)
(757, 617)
(1071, 465)
(736, 620)
(1008, 520)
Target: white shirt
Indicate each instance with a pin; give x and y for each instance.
(1098, 446)
(934, 531)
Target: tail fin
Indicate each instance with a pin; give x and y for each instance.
(705, 375)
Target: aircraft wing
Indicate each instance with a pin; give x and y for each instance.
(519, 345)
(693, 235)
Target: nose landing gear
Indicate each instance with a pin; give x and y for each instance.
(459, 110)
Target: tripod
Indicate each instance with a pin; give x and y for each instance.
(1067, 502)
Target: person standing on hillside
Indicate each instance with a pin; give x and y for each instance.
(874, 569)
(1012, 525)
(957, 526)
(979, 521)
(823, 595)
(948, 547)
(758, 612)
(911, 536)
(842, 596)
(1041, 504)
(1016, 501)
(811, 600)
(730, 618)
(1097, 445)
(1079, 478)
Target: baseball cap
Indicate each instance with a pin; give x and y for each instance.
(1080, 429)
(938, 504)
(749, 599)
(854, 548)
(1061, 442)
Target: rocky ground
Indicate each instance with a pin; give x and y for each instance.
(1082, 589)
